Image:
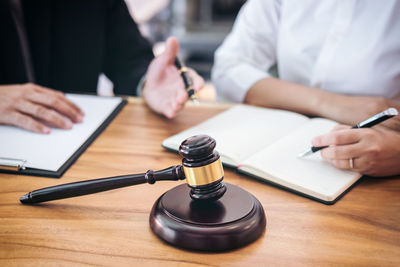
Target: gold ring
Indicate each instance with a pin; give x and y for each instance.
(351, 163)
(205, 174)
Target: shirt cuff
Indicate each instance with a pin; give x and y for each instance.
(140, 86)
(234, 84)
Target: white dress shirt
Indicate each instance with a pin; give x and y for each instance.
(342, 46)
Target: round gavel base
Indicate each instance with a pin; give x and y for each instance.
(234, 220)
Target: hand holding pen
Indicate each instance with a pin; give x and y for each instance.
(186, 80)
(374, 120)
(165, 90)
(360, 148)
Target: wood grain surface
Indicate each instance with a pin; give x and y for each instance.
(112, 228)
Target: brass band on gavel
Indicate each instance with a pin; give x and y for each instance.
(205, 174)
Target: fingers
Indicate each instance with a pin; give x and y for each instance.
(392, 124)
(44, 90)
(345, 164)
(358, 146)
(361, 164)
(176, 104)
(341, 152)
(171, 51)
(59, 103)
(42, 113)
(58, 95)
(342, 144)
(340, 127)
(26, 122)
(34, 107)
(198, 81)
(165, 91)
(337, 137)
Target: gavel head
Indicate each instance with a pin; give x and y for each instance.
(203, 168)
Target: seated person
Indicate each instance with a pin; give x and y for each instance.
(332, 60)
(65, 45)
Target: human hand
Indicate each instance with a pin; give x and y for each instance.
(375, 151)
(354, 109)
(35, 108)
(164, 90)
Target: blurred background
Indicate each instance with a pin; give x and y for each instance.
(199, 25)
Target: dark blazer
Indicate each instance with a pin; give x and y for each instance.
(71, 42)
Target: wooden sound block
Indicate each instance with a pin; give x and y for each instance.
(234, 220)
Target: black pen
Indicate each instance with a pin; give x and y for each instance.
(374, 120)
(186, 80)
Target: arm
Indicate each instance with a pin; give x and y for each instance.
(248, 51)
(129, 55)
(375, 151)
(240, 73)
(275, 93)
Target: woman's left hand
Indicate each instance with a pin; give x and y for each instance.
(373, 151)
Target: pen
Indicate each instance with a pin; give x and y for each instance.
(186, 80)
(374, 120)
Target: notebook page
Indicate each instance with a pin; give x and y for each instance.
(242, 130)
(311, 175)
(49, 152)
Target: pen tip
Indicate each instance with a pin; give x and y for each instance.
(195, 101)
(305, 153)
(25, 199)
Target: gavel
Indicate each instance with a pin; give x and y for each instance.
(207, 214)
(201, 167)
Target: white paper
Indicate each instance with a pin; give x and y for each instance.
(51, 151)
(266, 142)
(311, 175)
(242, 130)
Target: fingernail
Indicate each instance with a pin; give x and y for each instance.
(45, 130)
(170, 115)
(79, 118)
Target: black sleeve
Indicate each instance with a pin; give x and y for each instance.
(127, 52)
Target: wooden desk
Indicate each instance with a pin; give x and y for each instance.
(112, 229)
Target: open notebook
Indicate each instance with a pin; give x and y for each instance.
(50, 155)
(264, 143)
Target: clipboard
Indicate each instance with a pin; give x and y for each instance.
(21, 166)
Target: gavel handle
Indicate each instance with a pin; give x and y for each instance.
(173, 173)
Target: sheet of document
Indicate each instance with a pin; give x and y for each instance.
(243, 130)
(50, 151)
(311, 175)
